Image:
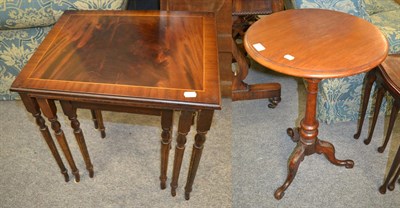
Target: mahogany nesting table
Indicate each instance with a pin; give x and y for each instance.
(387, 78)
(314, 44)
(147, 62)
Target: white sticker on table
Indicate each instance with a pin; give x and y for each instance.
(288, 57)
(190, 94)
(259, 46)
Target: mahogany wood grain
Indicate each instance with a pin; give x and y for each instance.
(223, 14)
(108, 57)
(317, 44)
(126, 61)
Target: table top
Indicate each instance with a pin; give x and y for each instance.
(390, 70)
(154, 57)
(315, 43)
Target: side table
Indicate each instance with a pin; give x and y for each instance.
(387, 78)
(148, 62)
(317, 44)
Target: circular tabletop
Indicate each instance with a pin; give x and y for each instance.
(315, 43)
(391, 72)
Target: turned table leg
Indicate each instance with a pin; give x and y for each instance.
(185, 122)
(307, 140)
(204, 120)
(98, 122)
(166, 125)
(70, 111)
(49, 109)
(32, 107)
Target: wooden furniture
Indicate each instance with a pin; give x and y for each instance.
(243, 10)
(387, 78)
(318, 44)
(232, 84)
(147, 62)
(393, 175)
(223, 15)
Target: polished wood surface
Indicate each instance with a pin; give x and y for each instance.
(224, 9)
(320, 44)
(223, 13)
(387, 79)
(109, 55)
(390, 70)
(147, 62)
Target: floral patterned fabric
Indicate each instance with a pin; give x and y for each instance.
(340, 99)
(389, 24)
(348, 6)
(23, 26)
(16, 47)
(376, 6)
(59, 6)
(23, 14)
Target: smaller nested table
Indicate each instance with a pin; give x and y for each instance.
(387, 78)
(314, 44)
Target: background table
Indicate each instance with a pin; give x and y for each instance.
(317, 44)
(146, 62)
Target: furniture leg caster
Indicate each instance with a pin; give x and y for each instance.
(274, 102)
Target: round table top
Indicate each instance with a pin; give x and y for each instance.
(390, 70)
(315, 43)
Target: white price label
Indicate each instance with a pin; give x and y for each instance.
(258, 46)
(190, 94)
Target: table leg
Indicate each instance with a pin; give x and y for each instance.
(70, 111)
(243, 91)
(370, 78)
(98, 122)
(204, 120)
(393, 115)
(307, 140)
(185, 122)
(32, 107)
(166, 125)
(49, 109)
(379, 97)
(396, 176)
(391, 175)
